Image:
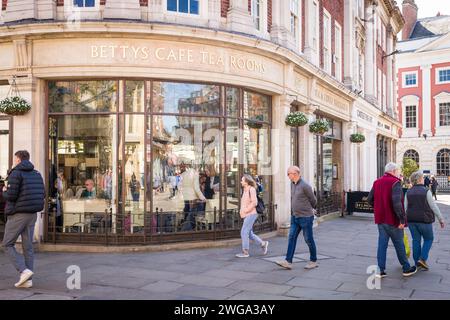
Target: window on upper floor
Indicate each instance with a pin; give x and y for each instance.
(295, 21)
(84, 3)
(443, 76)
(444, 114)
(326, 41)
(410, 117)
(409, 79)
(183, 6)
(256, 13)
(338, 51)
(315, 25)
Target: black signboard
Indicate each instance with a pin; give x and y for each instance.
(357, 202)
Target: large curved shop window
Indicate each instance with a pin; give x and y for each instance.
(135, 160)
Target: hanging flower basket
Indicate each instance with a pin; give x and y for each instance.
(319, 126)
(254, 124)
(14, 106)
(357, 138)
(296, 119)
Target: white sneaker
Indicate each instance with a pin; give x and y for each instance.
(265, 247)
(27, 284)
(24, 276)
(311, 265)
(242, 255)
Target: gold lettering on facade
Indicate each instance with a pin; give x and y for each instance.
(177, 55)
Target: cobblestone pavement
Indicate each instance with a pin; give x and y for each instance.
(346, 247)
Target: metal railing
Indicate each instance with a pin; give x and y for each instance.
(328, 203)
(444, 184)
(109, 228)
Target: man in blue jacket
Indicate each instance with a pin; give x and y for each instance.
(24, 195)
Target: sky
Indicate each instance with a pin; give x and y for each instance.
(429, 8)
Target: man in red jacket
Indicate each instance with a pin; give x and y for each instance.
(386, 197)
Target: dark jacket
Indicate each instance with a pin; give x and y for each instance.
(386, 197)
(418, 209)
(209, 192)
(26, 192)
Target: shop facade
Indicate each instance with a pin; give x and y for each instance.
(128, 129)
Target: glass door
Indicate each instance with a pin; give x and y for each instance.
(5, 163)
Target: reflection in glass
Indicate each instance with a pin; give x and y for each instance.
(82, 96)
(256, 106)
(257, 158)
(232, 102)
(134, 96)
(186, 98)
(186, 159)
(82, 172)
(4, 148)
(134, 174)
(232, 173)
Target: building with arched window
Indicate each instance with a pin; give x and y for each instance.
(423, 71)
(145, 114)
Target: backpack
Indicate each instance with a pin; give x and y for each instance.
(260, 206)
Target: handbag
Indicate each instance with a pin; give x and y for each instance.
(260, 207)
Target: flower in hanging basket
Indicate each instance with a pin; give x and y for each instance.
(14, 106)
(296, 119)
(357, 138)
(319, 126)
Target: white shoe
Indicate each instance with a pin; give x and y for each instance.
(311, 265)
(242, 255)
(27, 284)
(24, 276)
(265, 247)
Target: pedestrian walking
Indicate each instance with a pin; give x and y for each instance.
(434, 186)
(386, 197)
(421, 211)
(303, 203)
(24, 197)
(248, 212)
(427, 182)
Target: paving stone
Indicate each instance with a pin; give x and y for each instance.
(205, 280)
(314, 283)
(309, 293)
(230, 274)
(205, 292)
(48, 297)
(430, 295)
(162, 286)
(261, 287)
(248, 295)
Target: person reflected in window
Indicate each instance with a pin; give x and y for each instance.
(190, 188)
(135, 189)
(211, 183)
(89, 191)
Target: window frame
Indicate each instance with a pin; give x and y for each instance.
(408, 73)
(254, 4)
(183, 14)
(410, 116)
(84, 4)
(328, 56)
(338, 53)
(438, 80)
(443, 104)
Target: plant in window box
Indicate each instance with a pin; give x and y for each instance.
(14, 106)
(357, 138)
(319, 126)
(296, 119)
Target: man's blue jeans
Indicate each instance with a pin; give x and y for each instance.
(298, 224)
(386, 232)
(419, 231)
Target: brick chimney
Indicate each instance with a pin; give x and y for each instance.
(409, 11)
